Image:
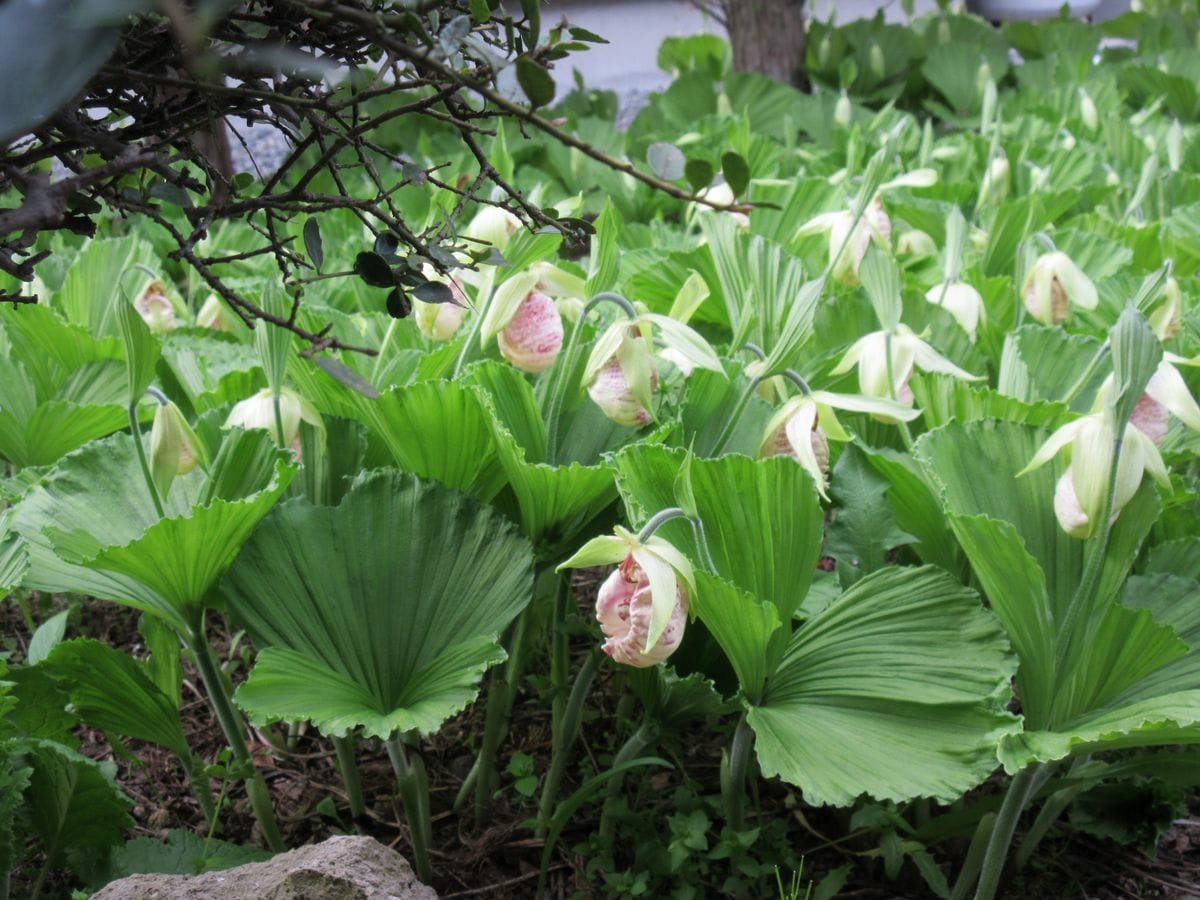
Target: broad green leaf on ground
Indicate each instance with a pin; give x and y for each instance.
(380, 613)
(42, 709)
(75, 808)
(211, 369)
(554, 502)
(748, 507)
(183, 853)
(14, 779)
(110, 691)
(666, 698)
(897, 690)
(943, 397)
(862, 529)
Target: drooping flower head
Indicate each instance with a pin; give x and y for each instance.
(849, 237)
(524, 318)
(155, 307)
(1053, 285)
(872, 353)
(1080, 494)
(963, 302)
(620, 373)
(624, 606)
(439, 321)
(642, 605)
(803, 426)
(258, 411)
(1166, 394)
(174, 448)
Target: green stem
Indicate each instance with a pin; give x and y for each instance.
(566, 368)
(231, 724)
(476, 326)
(1050, 811)
(136, 429)
(564, 733)
(734, 416)
(734, 785)
(200, 788)
(276, 407)
(36, 892)
(658, 520)
(645, 735)
(706, 559)
(973, 861)
(501, 696)
(348, 769)
(414, 796)
(1002, 833)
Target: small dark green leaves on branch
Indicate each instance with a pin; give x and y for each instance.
(373, 269)
(386, 245)
(667, 160)
(398, 304)
(736, 172)
(313, 243)
(535, 81)
(435, 292)
(699, 173)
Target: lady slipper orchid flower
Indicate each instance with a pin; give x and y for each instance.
(624, 607)
(523, 316)
(849, 239)
(1166, 318)
(870, 354)
(494, 226)
(1166, 394)
(258, 411)
(1053, 285)
(615, 393)
(620, 374)
(174, 448)
(156, 308)
(214, 315)
(803, 426)
(642, 606)
(963, 302)
(916, 243)
(1079, 495)
(723, 194)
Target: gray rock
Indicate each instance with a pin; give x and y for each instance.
(341, 868)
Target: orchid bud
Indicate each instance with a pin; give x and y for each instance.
(962, 301)
(494, 226)
(723, 194)
(1111, 177)
(943, 32)
(916, 243)
(155, 307)
(996, 181)
(1166, 318)
(534, 336)
(623, 609)
(876, 62)
(214, 315)
(1053, 285)
(842, 111)
(983, 75)
(1174, 145)
(174, 447)
(258, 411)
(1071, 517)
(1087, 111)
(979, 239)
(824, 52)
(782, 442)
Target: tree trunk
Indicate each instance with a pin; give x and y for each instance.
(767, 36)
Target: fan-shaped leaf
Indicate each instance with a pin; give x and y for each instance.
(896, 690)
(384, 610)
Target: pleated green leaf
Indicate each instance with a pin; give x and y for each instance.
(554, 502)
(439, 430)
(13, 558)
(90, 525)
(897, 690)
(746, 628)
(381, 613)
(749, 508)
(110, 691)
